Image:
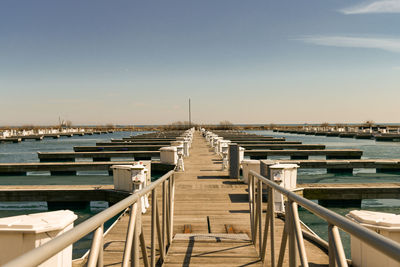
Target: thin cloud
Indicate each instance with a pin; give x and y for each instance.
(383, 6)
(387, 44)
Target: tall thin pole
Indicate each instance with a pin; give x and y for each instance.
(190, 115)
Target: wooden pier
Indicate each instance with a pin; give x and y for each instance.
(211, 219)
(304, 154)
(71, 168)
(96, 156)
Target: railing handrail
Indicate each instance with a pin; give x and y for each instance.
(384, 245)
(46, 251)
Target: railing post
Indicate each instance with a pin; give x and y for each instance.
(283, 244)
(171, 207)
(259, 204)
(299, 234)
(159, 235)
(255, 209)
(164, 215)
(153, 228)
(337, 247)
(251, 207)
(168, 211)
(143, 247)
(270, 215)
(136, 235)
(129, 235)
(96, 247)
(291, 236)
(100, 261)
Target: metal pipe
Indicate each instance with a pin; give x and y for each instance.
(129, 235)
(251, 208)
(164, 215)
(283, 245)
(171, 231)
(272, 225)
(331, 248)
(168, 211)
(299, 234)
(94, 250)
(46, 251)
(340, 256)
(143, 248)
(259, 204)
(136, 233)
(153, 228)
(291, 236)
(382, 244)
(266, 227)
(159, 233)
(100, 261)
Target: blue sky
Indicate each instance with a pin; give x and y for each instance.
(138, 62)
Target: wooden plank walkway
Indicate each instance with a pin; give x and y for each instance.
(209, 204)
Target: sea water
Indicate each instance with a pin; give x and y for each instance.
(26, 151)
(372, 149)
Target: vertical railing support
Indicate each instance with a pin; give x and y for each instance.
(129, 235)
(97, 243)
(136, 235)
(283, 245)
(100, 261)
(143, 248)
(259, 204)
(153, 228)
(251, 206)
(291, 236)
(337, 247)
(159, 235)
(164, 215)
(171, 213)
(299, 235)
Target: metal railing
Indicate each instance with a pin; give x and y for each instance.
(292, 232)
(134, 236)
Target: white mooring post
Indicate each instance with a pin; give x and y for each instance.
(131, 178)
(180, 167)
(19, 234)
(286, 176)
(386, 224)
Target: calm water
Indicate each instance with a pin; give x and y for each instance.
(27, 152)
(372, 149)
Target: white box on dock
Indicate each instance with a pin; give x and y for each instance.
(286, 176)
(249, 165)
(122, 176)
(386, 224)
(169, 155)
(286, 173)
(19, 234)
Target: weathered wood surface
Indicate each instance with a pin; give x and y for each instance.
(282, 146)
(22, 168)
(329, 153)
(351, 191)
(118, 148)
(208, 201)
(61, 193)
(346, 164)
(48, 156)
(134, 142)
